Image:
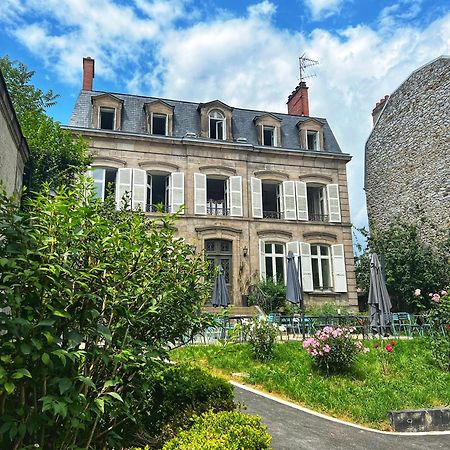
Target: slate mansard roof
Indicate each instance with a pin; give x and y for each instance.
(186, 118)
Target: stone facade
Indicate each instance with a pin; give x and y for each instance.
(13, 146)
(197, 166)
(407, 170)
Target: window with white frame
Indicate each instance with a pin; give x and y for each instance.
(269, 136)
(135, 188)
(317, 203)
(272, 261)
(321, 267)
(217, 125)
(218, 195)
(107, 118)
(312, 140)
(104, 182)
(272, 200)
(159, 124)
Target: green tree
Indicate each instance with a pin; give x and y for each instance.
(410, 263)
(55, 156)
(92, 300)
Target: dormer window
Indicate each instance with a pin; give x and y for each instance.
(217, 125)
(107, 118)
(159, 124)
(310, 135)
(269, 136)
(312, 138)
(268, 130)
(107, 112)
(159, 118)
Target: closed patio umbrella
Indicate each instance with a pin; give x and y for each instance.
(379, 302)
(220, 295)
(294, 291)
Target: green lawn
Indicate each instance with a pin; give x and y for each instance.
(381, 381)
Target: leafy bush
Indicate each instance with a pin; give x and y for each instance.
(261, 335)
(333, 349)
(91, 299)
(269, 296)
(223, 431)
(326, 309)
(439, 317)
(179, 392)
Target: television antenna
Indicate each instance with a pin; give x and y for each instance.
(304, 63)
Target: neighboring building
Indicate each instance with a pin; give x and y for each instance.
(253, 184)
(407, 168)
(13, 146)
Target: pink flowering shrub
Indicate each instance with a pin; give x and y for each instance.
(439, 317)
(333, 349)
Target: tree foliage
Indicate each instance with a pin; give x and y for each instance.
(92, 299)
(55, 157)
(410, 263)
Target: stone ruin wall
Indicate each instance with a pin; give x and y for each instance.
(408, 153)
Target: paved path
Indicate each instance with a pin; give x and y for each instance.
(293, 429)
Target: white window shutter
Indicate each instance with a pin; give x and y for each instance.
(235, 194)
(176, 184)
(123, 185)
(294, 248)
(200, 193)
(262, 260)
(339, 275)
(139, 193)
(302, 200)
(305, 258)
(256, 188)
(334, 208)
(99, 182)
(289, 200)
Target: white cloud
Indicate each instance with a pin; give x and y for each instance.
(244, 61)
(321, 9)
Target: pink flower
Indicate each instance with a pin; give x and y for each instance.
(327, 329)
(443, 293)
(326, 348)
(366, 349)
(358, 344)
(430, 295)
(337, 332)
(436, 297)
(388, 348)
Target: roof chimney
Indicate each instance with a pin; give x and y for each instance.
(88, 73)
(378, 107)
(298, 103)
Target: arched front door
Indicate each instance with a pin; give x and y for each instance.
(219, 252)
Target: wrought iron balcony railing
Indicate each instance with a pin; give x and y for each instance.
(317, 217)
(273, 215)
(159, 207)
(217, 210)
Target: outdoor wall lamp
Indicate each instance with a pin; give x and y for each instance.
(245, 251)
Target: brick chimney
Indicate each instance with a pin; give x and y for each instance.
(298, 103)
(378, 107)
(88, 73)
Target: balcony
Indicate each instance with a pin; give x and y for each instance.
(273, 215)
(158, 208)
(316, 217)
(217, 209)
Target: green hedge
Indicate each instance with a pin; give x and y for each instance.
(227, 430)
(179, 392)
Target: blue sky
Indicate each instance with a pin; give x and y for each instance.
(244, 53)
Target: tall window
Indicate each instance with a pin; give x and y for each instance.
(159, 124)
(107, 118)
(268, 136)
(104, 182)
(272, 200)
(312, 138)
(216, 197)
(158, 189)
(317, 203)
(274, 258)
(321, 267)
(216, 125)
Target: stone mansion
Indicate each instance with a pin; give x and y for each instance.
(250, 185)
